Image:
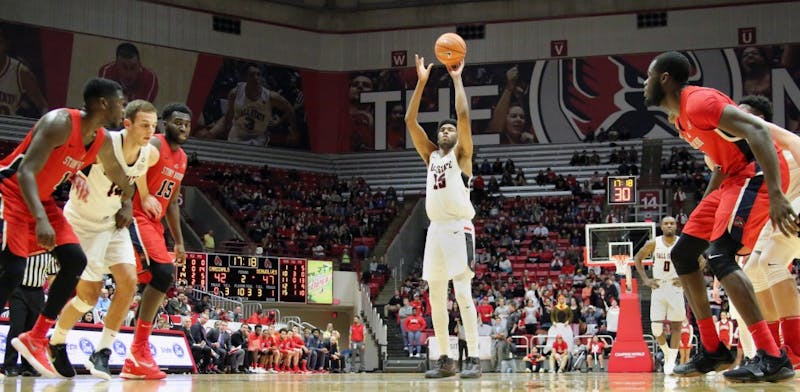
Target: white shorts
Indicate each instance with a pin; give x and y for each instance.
(667, 303)
(449, 250)
(103, 246)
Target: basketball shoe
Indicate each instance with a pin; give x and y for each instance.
(98, 364)
(141, 365)
(793, 357)
(472, 368)
(704, 362)
(37, 352)
(762, 368)
(443, 367)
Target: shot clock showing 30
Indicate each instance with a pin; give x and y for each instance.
(621, 190)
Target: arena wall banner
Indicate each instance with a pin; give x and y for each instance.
(564, 100)
(320, 282)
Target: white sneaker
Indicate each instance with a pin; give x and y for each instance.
(669, 361)
(272, 371)
(411, 355)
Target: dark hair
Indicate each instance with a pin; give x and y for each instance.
(675, 64)
(445, 122)
(175, 107)
(760, 104)
(136, 106)
(96, 88)
(127, 50)
(282, 330)
(258, 326)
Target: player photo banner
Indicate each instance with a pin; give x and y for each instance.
(320, 282)
(564, 100)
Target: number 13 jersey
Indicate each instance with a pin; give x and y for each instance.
(447, 190)
(163, 178)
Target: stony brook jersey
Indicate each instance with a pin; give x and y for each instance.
(104, 199)
(164, 178)
(662, 261)
(447, 189)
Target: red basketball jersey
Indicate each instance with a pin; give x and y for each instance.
(164, 177)
(63, 162)
(701, 109)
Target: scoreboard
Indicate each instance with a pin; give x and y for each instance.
(621, 190)
(255, 278)
(250, 277)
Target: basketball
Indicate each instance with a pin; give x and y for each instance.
(450, 48)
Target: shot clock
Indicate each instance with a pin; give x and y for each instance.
(621, 190)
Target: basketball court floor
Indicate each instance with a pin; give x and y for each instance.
(376, 382)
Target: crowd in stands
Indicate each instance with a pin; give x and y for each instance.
(294, 213)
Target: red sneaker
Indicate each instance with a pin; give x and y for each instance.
(793, 357)
(37, 352)
(141, 365)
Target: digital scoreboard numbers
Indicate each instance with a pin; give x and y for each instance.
(621, 190)
(249, 277)
(293, 280)
(193, 273)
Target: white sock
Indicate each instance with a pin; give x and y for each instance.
(59, 335)
(107, 339)
(469, 315)
(438, 293)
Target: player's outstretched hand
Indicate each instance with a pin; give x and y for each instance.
(783, 216)
(124, 216)
(151, 207)
(422, 71)
(455, 70)
(45, 235)
(80, 185)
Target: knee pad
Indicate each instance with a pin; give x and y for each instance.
(163, 275)
(80, 305)
(657, 328)
(685, 253)
(722, 256)
(71, 259)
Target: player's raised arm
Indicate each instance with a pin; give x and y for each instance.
(464, 126)
(645, 251)
(423, 145)
(755, 131)
(51, 131)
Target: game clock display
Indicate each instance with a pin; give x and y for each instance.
(293, 280)
(621, 190)
(250, 277)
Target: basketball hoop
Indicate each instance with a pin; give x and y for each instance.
(621, 262)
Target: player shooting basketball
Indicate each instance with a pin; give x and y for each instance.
(450, 244)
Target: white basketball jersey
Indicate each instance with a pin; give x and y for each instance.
(104, 199)
(662, 261)
(10, 87)
(250, 117)
(446, 194)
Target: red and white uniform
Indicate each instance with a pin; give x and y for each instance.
(686, 337)
(596, 347)
(163, 179)
(62, 163)
(725, 331)
(740, 205)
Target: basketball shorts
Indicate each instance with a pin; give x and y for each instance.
(740, 206)
(104, 244)
(151, 247)
(667, 303)
(449, 250)
(19, 227)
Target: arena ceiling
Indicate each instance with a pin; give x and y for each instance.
(364, 15)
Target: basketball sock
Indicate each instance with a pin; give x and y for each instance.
(763, 338)
(438, 292)
(106, 339)
(59, 335)
(790, 328)
(462, 287)
(42, 326)
(775, 331)
(708, 334)
(141, 333)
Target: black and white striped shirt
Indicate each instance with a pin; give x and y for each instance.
(37, 269)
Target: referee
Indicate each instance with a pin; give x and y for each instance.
(25, 304)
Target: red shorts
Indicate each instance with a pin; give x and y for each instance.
(740, 206)
(19, 227)
(148, 239)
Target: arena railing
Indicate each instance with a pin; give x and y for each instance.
(374, 320)
(217, 301)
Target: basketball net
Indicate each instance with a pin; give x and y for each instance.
(623, 268)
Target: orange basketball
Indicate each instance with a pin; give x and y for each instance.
(450, 48)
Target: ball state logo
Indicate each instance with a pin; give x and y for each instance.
(86, 346)
(153, 349)
(178, 350)
(120, 348)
